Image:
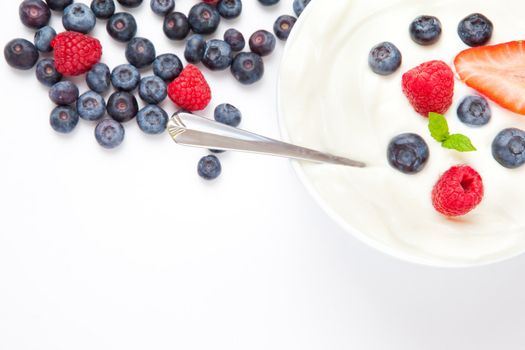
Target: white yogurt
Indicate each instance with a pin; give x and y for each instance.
(330, 100)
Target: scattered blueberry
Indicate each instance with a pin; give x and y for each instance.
(43, 38)
(63, 119)
(162, 7)
(283, 26)
(153, 89)
(79, 18)
(299, 6)
(122, 26)
(91, 106)
(58, 5)
(176, 26)
(130, 3)
(34, 13)
(204, 18)
(218, 55)
(229, 8)
(247, 67)
(122, 106)
(425, 30)
(46, 72)
(63, 93)
(21, 54)
(508, 148)
(235, 39)
(262, 42)
(227, 114)
(217, 151)
(475, 30)
(103, 9)
(99, 78)
(408, 153)
(109, 133)
(125, 77)
(195, 47)
(268, 2)
(140, 52)
(152, 119)
(167, 66)
(209, 167)
(474, 110)
(384, 58)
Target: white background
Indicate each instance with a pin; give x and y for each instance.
(130, 249)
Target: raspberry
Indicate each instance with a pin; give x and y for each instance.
(190, 90)
(429, 87)
(211, 2)
(458, 191)
(75, 53)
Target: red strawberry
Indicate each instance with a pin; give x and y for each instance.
(190, 90)
(75, 53)
(497, 72)
(429, 87)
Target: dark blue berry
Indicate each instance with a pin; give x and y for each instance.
(122, 106)
(130, 3)
(58, 5)
(235, 39)
(43, 38)
(247, 67)
(152, 119)
(140, 52)
(122, 26)
(63, 93)
(475, 30)
(125, 77)
(227, 114)
(109, 133)
(299, 6)
(384, 58)
(425, 30)
(204, 18)
(176, 26)
(209, 167)
(103, 9)
(268, 2)
(408, 153)
(63, 119)
(195, 47)
(21, 54)
(508, 148)
(218, 55)
(34, 13)
(167, 66)
(79, 18)
(91, 106)
(153, 89)
(162, 7)
(262, 42)
(99, 78)
(283, 26)
(229, 8)
(474, 110)
(46, 72)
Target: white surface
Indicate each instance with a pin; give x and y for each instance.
(130, 250)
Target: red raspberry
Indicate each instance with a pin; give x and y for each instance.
(75, 53)
(458, 191)
(190, 90)
(429, 87)
(211, 2)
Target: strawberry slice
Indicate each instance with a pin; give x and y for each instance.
(497, 72)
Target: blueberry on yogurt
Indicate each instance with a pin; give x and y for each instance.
(508, 148)
(408, 153)
(475, 30)
(425, 30)
(474, 110)
(384, 58)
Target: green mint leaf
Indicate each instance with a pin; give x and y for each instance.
(438, 126)
(459, 143)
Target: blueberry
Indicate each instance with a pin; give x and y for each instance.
(475, 30)
(130, 3)
(140, 52)
(176, 26)
(43, 38)
(216, 151)
(63, 119)
(262, 42)
(229, 8)
(384, 58)
(218, 55)
(58, 5)
(167, 66)
(34, 13)
(103, 9)
(63, 93)
(46, 72)
(125, 77)
(109, 133)
(283, 26)
(408, 153)
(235, 39)
(474, 110)
(99, 78)
(227, 114)
(425, 30)
(122, 106)
(91, 106)
(122, 26)
(79, 18)
(299, 6)
(247, 67)
(162, 7)
(508, 148)
(21, 54)
(204, 18)
(152, 119)
(152, 89)
(268, 2)
(195, 47)
(209, 167)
